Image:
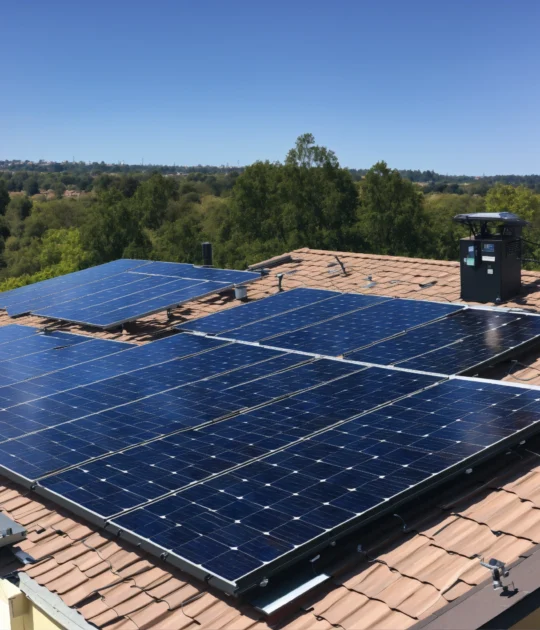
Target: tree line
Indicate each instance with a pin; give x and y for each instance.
(308, 200)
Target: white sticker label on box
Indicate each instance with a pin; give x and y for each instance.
(488, 258)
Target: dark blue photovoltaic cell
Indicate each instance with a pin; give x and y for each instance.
(9, 299)
(159, 467)
(467, 323)
(361, 328)
(38, 343)
(12, 332)
(305, 316)
(159, 405)
(178, 460)
(92, 362)
(15, 371)
(95, 292)
(259, 513)
(158, 294)
(472, 351)
(121, 291)
(259, 310)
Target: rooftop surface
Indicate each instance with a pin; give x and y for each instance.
(401, 576)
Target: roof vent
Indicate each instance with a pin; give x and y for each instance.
(490, 258)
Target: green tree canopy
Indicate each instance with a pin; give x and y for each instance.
(392, 215)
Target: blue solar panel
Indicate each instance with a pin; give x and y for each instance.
(147, 385)
(12, 332)
(291, 501)
(116, 311)
(255, 311)
(9, 299)
(118, 292)
(306, 316)
(361, 328)
(473, 351)
(36, 344)
(100, 291)
(467, 323)
(177, 461)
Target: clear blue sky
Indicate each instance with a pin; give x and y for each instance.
(450, 86)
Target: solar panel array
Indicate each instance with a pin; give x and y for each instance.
(112, 294)
(237, 458)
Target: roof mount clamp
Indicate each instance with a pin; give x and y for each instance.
(498, 572)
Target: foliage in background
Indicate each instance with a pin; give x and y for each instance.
(249, 214)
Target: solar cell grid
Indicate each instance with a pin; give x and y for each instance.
(361, 328)
(118, 292)
(12, 332)
(37, 344)
(122, 283)
(260, 309)
(243, 520)
(432, 336)
(103, 408)
(475, 350)
(176, 461)
(305, 316)
(53, 358)
(183, 408)
(8, 299)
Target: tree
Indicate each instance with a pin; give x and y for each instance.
(31, 186)
(526, 204)
(308, 201)
(392, 215)
(4, 197)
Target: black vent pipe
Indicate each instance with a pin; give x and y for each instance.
(207, 254)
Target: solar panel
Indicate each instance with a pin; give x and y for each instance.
(469, 353)
(245, 524)
(363, 327)
(113, 294)
(245, 314)
(55, 286)
(238, 459)
(178, 460)
(12, 332)
(414, 343)
(115, 429)
(341, 304)
(156, 390)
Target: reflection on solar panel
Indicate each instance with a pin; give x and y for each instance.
(469, 324)
(118, 292)
(468, 353)
(240, 526)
